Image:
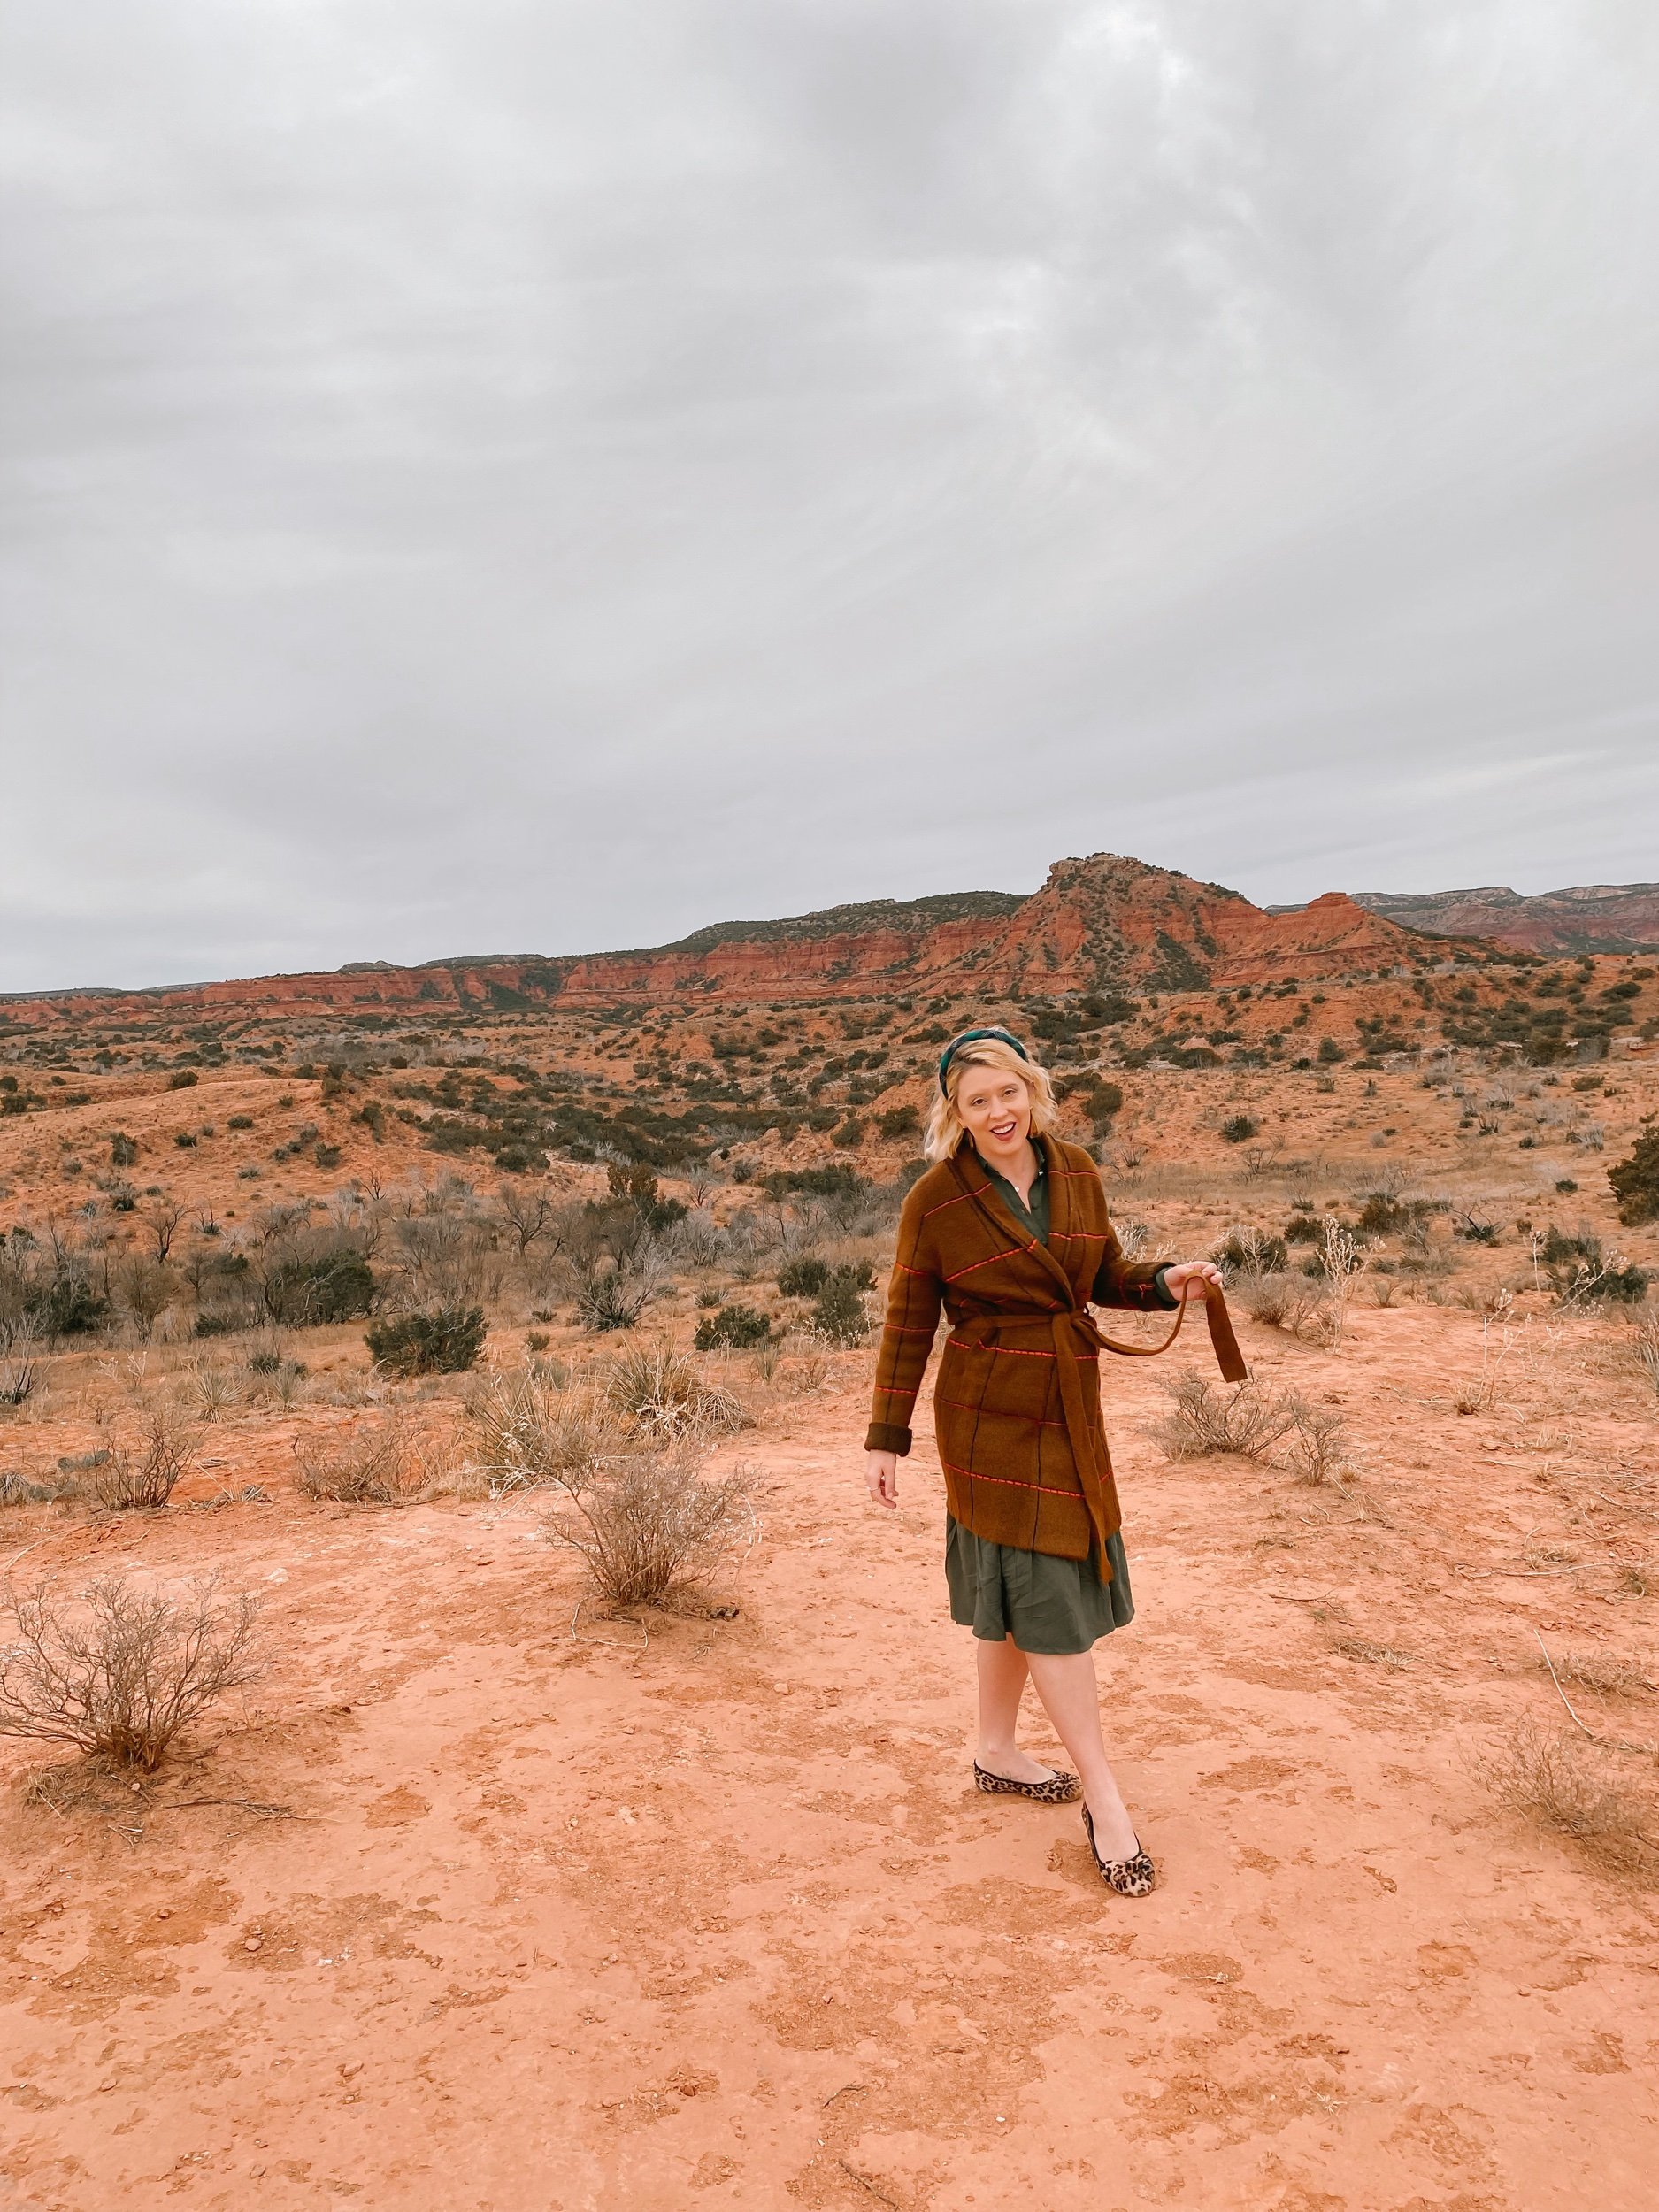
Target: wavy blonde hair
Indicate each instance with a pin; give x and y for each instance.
(945, 1127)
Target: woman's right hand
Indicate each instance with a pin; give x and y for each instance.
(882, 1473)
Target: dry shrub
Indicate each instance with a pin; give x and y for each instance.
(145, 1463)
(1267, 1299)
(17, 1377)
(1246, 1421)
(450, 1476)
(378, 1464)
(1133, 1236)
(662, 1390)
(1246, 1250)
(805, 1373)
(281, 1379)
(1602, 1671)
(1647, 1347)
(1371, 1654)
(1556, 1782)
(1316, 1450)
(650, 1524)
(612, 1292)
(117, 1671)
(532, 1430)
(1292, 1302)
(1342, 1258)
(439, 1340)
(19, 1489)
(1493, 1300)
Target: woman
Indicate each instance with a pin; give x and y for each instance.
(1008, 1231)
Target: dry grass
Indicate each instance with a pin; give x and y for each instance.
(648, 1522)
(1560, 1783)
(1601, 1672)
(214, 1388)
(17, 1375)
(381, 1463)
(1647, 1348)
(804, 1371)
(663, 1392)
(117, 1671)
(1371, 1654)
(533, 1430)
(1245, 1422)
(18, 1489)
(1343, 1259)
(1292, 1302)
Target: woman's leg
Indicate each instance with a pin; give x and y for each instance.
(1003, 1672)
(1065, 1683)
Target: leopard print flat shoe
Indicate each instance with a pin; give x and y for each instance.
(1134, 1877)
(1059, 1789)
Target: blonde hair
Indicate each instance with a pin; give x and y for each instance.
(945, 1127)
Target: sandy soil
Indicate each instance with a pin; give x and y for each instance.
(707, 1913)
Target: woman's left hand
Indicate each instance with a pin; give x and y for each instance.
(1187, 1278)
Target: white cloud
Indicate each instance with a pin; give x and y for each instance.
(547, 476)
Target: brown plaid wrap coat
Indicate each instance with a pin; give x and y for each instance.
(1017, 1407)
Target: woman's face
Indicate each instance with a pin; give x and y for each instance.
(994, 1105)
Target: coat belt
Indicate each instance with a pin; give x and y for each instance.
(1076, 1335)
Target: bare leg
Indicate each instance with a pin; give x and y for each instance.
(1065, 1683)
(1002, 1674)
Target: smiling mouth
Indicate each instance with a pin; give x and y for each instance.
(1004, 1129)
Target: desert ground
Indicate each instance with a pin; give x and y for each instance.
(487, 1893)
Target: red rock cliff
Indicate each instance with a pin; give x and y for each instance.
(1104, 922)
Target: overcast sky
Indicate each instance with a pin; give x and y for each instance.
(503, 475)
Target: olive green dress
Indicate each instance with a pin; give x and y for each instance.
(1047, 1605)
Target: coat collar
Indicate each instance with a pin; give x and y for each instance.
(971, 1172)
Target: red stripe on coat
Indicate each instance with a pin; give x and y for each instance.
(1012, 1252)
(1007, 1482)
(997, 1413)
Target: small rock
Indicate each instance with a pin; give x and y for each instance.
(254, 1943)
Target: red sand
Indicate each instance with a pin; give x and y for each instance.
(587, 1926)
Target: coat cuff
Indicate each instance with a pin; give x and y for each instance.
(1138, 1288)
(1165, 1296)
(886, 1436)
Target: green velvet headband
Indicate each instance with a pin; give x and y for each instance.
(967, 1037)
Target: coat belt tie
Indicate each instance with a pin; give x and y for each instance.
(1076, 1335)
(1223, 1342)
(1078, 1328)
